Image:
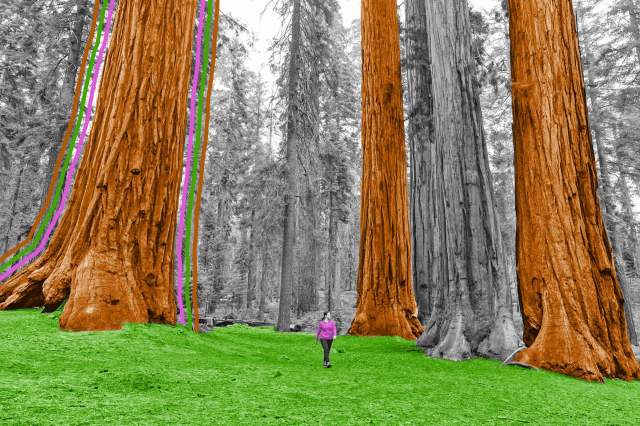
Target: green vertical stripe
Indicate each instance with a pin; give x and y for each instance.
(196, 157)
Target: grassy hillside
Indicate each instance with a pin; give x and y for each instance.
(237, 375)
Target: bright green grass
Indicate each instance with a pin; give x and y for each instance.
(156, 374)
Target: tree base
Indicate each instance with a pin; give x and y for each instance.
(98, 296)
(388, 322)
(454, 345)
(575, 356)
(502, 340)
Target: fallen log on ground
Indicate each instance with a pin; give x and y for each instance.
(210, 322)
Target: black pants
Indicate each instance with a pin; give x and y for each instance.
(326, 345)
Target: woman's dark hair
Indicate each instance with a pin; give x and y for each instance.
(325, 315)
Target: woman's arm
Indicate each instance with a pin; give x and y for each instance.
(333, 327)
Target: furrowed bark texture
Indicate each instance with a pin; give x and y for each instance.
(386, 304)
(112, 253)
(461, 266)
(421, 136)
(572, 304)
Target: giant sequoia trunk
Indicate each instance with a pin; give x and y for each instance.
(459, 264)
(112, 252)
(572, 304)
(291, 191)
(386, 304)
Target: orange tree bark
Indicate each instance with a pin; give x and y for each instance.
(572, 305)
(386, 303)
(112, 252)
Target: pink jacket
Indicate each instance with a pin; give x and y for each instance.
(326, 330)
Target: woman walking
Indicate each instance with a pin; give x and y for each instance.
(326, 333)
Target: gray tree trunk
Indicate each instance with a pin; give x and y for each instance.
(307, 289)
(306, 294)
(330, 283)
(290, 197)
(220, 249)
(263, 286)
(353, 248)
(420, 132)
(460, 263)
(251, 280)
(251, 272)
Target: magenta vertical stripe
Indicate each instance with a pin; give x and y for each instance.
(76, 157)
(187, 173)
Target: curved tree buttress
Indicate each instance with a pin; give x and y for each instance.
(112, 253)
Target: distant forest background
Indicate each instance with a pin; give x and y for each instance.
(241, 226)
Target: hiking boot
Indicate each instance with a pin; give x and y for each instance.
(328, 365)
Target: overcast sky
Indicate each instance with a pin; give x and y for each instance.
(262, 21)
(351, 8)
(249, 10)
